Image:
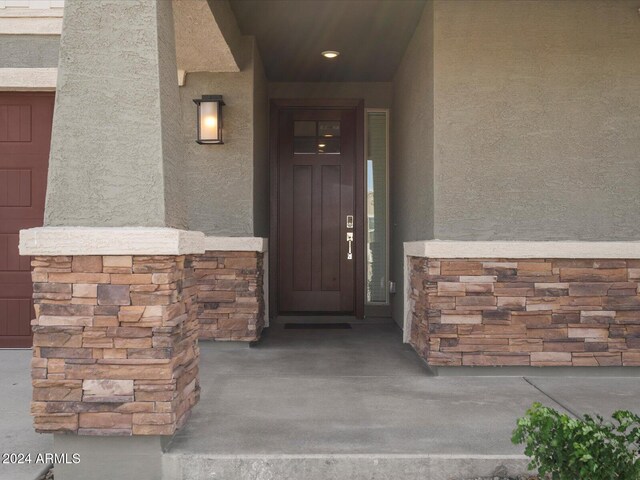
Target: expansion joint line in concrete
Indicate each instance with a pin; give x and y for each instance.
(571, 412)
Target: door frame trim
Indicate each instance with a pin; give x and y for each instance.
(334, 104)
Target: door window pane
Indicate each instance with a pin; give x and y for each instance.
(304, 145)
(328, 145)
(329, 129)
(304, 129)
(316, 137)
(377, 207)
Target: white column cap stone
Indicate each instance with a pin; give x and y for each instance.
(130, 241)
(522, 249)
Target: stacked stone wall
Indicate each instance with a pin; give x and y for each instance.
(534, 312)
(115, 344)
(230, 295)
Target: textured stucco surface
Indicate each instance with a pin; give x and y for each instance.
(228, 26)
(200, 45)
(260, 148)
(375, 94)
(537, 114)
(220, 178)
(29, 51)
(116, 83)
(170, 116)
(411, 164)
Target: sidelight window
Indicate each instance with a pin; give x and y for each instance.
(377, 235)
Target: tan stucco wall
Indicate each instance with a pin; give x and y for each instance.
(200, 43)
(375, 94)
(159, 176)
(512, 119)
(411, 163)
(29, 51)
(220, 190)
(260, 149)
(100, 173)
(517, 120)
(175, 186)
(537, 114)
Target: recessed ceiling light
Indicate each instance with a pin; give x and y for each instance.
(330, 54)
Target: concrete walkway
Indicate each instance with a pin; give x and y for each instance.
(17, 434)
(347, 404)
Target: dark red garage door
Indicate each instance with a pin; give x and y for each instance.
(25, 135)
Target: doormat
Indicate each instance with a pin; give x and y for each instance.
(317, 326)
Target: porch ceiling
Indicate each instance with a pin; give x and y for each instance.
(371, 36)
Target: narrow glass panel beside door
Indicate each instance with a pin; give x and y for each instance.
(377, 279)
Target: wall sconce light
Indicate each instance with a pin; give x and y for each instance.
(209, 119)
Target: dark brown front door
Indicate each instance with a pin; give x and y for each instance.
(25, 134)
(319, 219)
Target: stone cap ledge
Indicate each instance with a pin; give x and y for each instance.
(129, 241)
(522, 249)
(110, 241)
(235, 244)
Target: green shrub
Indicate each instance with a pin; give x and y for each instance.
(566, 448)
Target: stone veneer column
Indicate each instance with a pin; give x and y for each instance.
(231, 304)
(115, 344)
(115, 338)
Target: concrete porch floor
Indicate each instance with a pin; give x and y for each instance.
(359, 404)
(335, 404)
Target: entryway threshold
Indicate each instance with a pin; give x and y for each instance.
(282, 319)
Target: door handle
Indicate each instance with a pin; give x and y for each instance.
(350, 242)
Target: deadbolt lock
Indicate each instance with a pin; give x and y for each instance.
(349, 221)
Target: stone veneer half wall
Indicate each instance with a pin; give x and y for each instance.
(231, 303)
(115, 344)
(525, 312)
